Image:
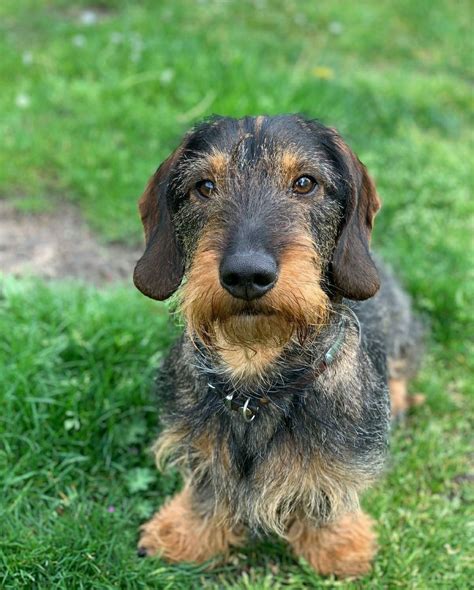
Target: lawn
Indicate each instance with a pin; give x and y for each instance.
(93, 98)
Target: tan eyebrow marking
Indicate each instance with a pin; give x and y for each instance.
(290, 163)
(218, 162)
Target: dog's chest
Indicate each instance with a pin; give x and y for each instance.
(267, 481)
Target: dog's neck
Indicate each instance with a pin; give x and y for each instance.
(292, 373)
(257, 366)
(242, 363)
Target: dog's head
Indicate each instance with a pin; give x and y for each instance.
(267, 218)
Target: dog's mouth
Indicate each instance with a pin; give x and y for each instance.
(253, 312)
(249, 310)
(248, 324)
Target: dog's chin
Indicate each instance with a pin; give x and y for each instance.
(248, 314)
(253, 327)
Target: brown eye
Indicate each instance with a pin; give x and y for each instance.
(205, 188)
(304, 185)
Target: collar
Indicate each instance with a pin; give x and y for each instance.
(248, 403)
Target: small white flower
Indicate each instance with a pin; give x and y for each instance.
(79, 40)
(116, 37)
(27, 58)
(299, 18)
(137, 46)
(22, 100)
(88, 17)
(335, 27)
(166, 76)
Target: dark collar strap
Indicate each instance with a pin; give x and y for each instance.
(249, 405)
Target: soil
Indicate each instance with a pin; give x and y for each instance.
(60, 245)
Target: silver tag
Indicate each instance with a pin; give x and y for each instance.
(247, 413)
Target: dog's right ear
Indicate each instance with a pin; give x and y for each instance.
(160, 270)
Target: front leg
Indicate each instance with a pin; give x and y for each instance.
(178, 533)
(344, 548)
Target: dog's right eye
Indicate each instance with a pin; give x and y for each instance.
(205, 188)
(304, 185)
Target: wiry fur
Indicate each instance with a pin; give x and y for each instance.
(296, 304)
(319, 437)
(263, 476)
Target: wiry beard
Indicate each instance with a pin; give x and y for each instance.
(295, 307)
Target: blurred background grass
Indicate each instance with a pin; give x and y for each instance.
(91, 104)
(94, 96)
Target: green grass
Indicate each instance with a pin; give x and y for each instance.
(78, 416)
(88, 113)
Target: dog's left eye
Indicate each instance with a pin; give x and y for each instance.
(304, 185)
(205, 188)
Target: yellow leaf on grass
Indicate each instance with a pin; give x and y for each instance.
(323, 72)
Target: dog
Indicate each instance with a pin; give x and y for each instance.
(278, 392)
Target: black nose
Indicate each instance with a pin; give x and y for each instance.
(248, 276)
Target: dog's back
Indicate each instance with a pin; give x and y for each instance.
(389, 315)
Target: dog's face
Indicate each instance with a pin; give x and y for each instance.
(267, 218)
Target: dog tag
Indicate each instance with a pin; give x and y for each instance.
(228, 401)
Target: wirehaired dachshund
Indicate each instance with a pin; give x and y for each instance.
(278, 392)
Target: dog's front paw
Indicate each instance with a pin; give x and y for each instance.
(159, 536)
(173, 533)
(178, 534)
(345, 548)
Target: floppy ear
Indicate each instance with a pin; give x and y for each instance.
(354, 272)
(160, 270)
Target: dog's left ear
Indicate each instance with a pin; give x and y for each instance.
(160, 270)
(354, 272)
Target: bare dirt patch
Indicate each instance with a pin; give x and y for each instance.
(59, 245)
